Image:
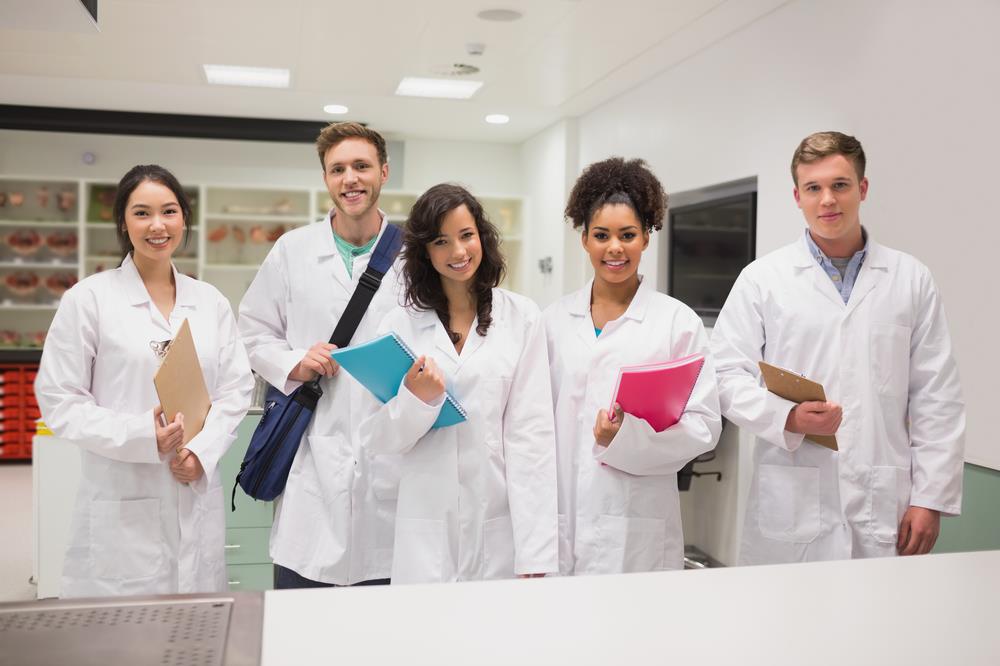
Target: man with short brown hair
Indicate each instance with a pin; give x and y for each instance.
(334, 523)
(867, 323)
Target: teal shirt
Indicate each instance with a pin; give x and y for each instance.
(349, 252)
(597, 331)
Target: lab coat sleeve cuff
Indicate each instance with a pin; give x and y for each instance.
(947, 510)
(276, 368)
(139, 431)
(777, 435)
(411, 401)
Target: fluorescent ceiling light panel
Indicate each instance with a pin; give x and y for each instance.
(336, 109)
(260, 77)
(498, 119)
(438, 88)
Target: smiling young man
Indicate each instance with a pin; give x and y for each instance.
(867, 323)
(334, 523)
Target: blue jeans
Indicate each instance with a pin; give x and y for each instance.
(286, 579)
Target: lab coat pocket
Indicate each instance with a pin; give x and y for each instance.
(645, 544)
(890, 358)
(333, 470)
(126, 542)
(498, 548)
(788, 503)
(887, 498)
(492, 398)
(386, 471)
(419, 551)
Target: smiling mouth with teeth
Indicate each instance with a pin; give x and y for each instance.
(460, 266)
(158, 241)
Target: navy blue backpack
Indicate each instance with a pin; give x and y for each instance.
(286, 418)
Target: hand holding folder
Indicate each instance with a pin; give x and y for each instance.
(380, 366)
(180, 384)
(791, 386)
(657, 392)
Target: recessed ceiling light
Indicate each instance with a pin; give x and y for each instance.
(499, 15)
(497, 119)
(335, 109)
(262, 77)
(440, 88)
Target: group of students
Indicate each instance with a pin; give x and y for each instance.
(541, 478)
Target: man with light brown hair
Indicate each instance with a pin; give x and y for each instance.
(334, 523)
(867, 323)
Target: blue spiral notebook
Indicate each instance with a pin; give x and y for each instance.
(380, 366)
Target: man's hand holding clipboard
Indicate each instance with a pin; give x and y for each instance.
(814, 417)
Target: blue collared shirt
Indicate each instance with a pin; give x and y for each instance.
(844, 283)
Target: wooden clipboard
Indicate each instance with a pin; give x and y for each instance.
(791, 386)
(180, 384)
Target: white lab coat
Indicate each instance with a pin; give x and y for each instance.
(477, 500)
(334, 521)
(136, 529)
(886, 357)
(619, 508)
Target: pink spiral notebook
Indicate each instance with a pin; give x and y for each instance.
(657, 392)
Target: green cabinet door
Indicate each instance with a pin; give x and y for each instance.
(248, 529)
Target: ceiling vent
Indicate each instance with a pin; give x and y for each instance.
(455, 69)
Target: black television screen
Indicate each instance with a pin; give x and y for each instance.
(710, 243)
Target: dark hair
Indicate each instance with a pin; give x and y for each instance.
(617, 181)
(334, 133)
(422, 282)
(135, 177)
(820, 145)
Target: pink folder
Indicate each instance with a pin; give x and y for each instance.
(657, 392)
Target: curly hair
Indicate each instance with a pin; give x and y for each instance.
(617, 181)
(422, 283)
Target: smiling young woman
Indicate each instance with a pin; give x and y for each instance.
(149, 512)
(477, 500)
(618, 483)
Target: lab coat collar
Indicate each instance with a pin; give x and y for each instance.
(803, 260)
(326, 251)
(428, 318)
(136, 291)
(579, 305)
(328, 246)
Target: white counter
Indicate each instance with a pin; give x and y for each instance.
(935, 609)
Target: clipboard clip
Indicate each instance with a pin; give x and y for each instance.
(160, 348)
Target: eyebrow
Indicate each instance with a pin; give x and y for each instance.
(144, 205)
(630, 227)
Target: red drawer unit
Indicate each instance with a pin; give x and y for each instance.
(18, 410)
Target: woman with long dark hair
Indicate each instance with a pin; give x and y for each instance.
(149, 515)
(476, 500)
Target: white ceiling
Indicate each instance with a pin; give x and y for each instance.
(561, 59)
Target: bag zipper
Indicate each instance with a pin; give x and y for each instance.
(266, 465)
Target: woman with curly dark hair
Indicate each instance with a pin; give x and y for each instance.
(618, 501)
(477, 500)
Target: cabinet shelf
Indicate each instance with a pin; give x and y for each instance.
(29, 306)
(250, 219)
(47, 224)
(231, 267)
(42, 265)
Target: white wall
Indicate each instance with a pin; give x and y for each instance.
(548, 168)
(486, 169)
(916, 82)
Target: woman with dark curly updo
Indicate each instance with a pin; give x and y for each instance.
(477, 500)
(618, 501)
